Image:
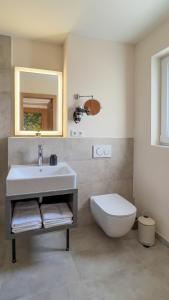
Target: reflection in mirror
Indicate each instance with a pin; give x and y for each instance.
(38, 102)
(38, 112)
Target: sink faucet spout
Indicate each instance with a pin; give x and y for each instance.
(40, 155)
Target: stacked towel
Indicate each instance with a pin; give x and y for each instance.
(26, 216)
(56, 214)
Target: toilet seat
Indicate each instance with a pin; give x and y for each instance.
(114, 205)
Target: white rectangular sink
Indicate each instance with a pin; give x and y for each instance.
(28, 179)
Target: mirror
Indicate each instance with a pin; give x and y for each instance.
(38, 102)
(93, 106)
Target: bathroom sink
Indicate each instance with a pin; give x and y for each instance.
(26, 179)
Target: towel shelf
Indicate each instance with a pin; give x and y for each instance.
(68, 196)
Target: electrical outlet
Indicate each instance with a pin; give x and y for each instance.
(76, 133)
(80, 133)
(73, 132)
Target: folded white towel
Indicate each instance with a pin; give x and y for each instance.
(26, 204)
(58, 221)
(26, 225)
(50, 211)
(53, 224)
(55, 211)
(26, 214)
(66, 212)
(26, 228)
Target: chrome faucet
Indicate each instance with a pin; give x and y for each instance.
(40, 155)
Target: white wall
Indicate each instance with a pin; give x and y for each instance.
(105, 70)
(151, 163)
(35, 54)
(101, 68)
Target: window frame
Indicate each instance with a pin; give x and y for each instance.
(164, 136)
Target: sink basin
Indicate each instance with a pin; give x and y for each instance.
(28, 179)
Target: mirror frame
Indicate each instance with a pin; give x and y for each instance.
(18, 131)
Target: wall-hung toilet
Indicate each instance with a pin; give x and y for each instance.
(113, 213)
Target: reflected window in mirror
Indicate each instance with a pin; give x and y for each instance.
(38, 102)
(38, 112)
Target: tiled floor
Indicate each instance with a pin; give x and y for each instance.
(96, 268)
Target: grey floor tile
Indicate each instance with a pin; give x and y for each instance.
(67, 292)
(128, 285)
(96, 268)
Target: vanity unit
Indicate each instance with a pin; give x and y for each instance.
(39, 112)
(46, 185)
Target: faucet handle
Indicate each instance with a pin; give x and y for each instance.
(40, 149)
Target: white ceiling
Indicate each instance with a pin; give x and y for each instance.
(117, 20)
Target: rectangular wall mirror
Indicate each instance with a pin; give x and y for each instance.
(38, 102)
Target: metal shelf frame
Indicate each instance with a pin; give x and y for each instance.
(70, 197)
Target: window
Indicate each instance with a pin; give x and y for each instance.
(164, 137)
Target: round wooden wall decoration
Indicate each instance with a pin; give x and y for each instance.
(93, 106)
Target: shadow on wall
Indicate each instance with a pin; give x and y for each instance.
(3, 167)
(5, 109)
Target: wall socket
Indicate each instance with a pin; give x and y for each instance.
(76, 133)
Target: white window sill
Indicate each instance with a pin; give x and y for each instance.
(162, 146)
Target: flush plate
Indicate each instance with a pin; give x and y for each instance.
(101, 151)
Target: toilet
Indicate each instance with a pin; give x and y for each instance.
(113, 213)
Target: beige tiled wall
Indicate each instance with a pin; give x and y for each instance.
(5, 108)
(95, 176)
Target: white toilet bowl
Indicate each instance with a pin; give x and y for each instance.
(113, 213)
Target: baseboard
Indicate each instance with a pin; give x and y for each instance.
(162, 240)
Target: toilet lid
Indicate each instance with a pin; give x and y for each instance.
(114, 205)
